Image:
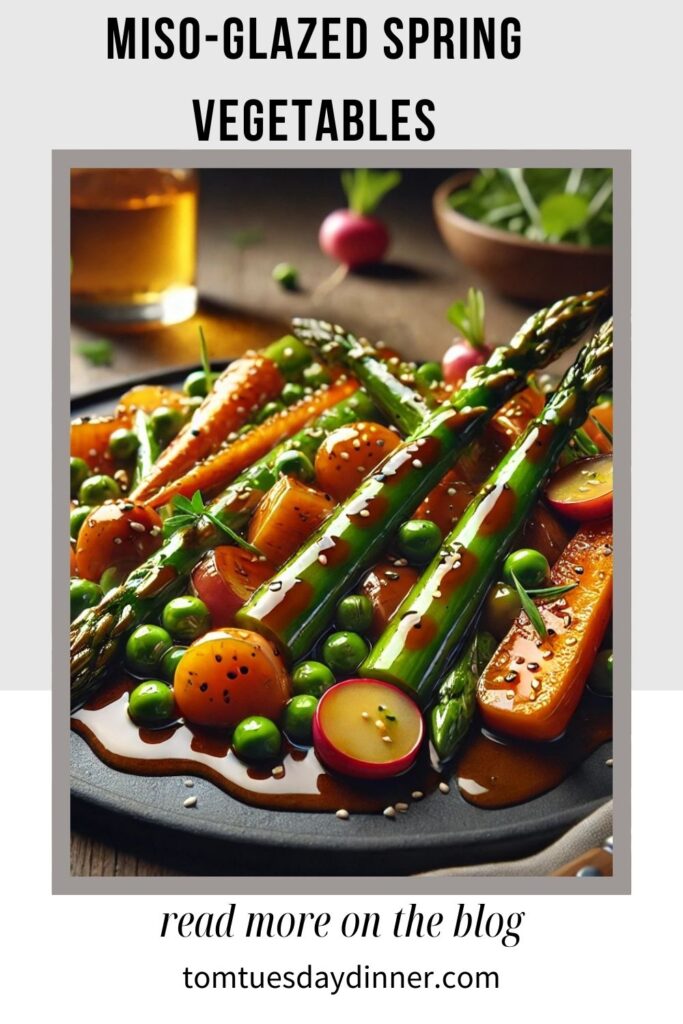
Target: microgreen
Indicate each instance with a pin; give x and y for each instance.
(605, 431)
(548, 204)
(246, 238)
(528, 605)
(204, 356)
(98, 352)
(188, 512)
(468, 317)
(365, 188)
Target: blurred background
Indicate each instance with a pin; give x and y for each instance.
(250, 221)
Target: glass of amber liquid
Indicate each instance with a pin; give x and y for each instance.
(133, 246)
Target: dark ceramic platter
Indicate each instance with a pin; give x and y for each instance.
(223, 836)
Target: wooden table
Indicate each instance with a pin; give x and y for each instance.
(404, 302)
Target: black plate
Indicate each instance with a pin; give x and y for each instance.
(223, 836)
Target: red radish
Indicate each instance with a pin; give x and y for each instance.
(367, 729)
(354, 237)
(469, 350)
(226, 578)
(460, 358)
(583, 490)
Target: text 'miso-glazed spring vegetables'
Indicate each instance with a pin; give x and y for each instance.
(296, 606)
(360, 556)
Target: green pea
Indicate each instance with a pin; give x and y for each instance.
(529, 566)
(297, 720)
(186, 618)
(419, 540)
(355, 613)
(113, 577)
(98, 489)
(268, 410)
(79, 471)
(123, 444)
(600, 678)
(169, 662)
(151, 703)
(145, 648)
(77, 518)
(501, 608)
(83, 594)
(344, 651)
(428, 374)
(287, 276)
(294, 463)
(194, 384)
(311, 677)
(291, 393)
(165, 423)
(316, 375)
(256, 739)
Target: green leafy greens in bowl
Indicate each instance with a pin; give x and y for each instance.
(543, 204)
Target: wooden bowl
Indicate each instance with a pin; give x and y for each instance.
(517, 266)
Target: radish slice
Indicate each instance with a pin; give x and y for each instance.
(583, 490)
(368, 729)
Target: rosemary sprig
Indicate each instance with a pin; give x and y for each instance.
(188, 511)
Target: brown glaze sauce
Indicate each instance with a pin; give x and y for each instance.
(490, 773)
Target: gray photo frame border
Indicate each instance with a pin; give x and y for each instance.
(63, 883)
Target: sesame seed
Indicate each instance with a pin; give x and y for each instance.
(155, 531)
(389, 812)
(380, 725)
(571, 640)
(402, 807)
(364, 513)
(387, 739)
(345, 456)
(356, 444)
(365, 715)
(342, 814)
(138, 527)
(191, 801)
(417, 794)
(510, 694)
(610, 762)
(118, 540)
(322, 559)
(451, 491)
(278, 771)
(288, 352)
(417, 463)
(444, 787)
(535, 684)
(189, 783)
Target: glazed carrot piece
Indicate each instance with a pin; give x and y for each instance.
(149, 397)
(286, 516)
(89, 439)
(244, 386)
(218, 470)
(603, 414)
(532, 686)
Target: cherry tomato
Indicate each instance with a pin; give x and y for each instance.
(228, 675)
(583, 489)
(118, 533)
(349, 454)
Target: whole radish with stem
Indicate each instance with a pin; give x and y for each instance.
(469, 350)
(353, 236)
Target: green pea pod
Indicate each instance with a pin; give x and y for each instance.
(452, 715)
(148, 447)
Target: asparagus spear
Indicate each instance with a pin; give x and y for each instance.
(433, 618)
(396, 397)
(453, 712)
(99, 634)
(297, 604)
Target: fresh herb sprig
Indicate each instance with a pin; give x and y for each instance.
(98, 352)
(188, 511)
(468, 317)
(529, 606)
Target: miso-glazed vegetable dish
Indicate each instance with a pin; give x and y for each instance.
(329, 578)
